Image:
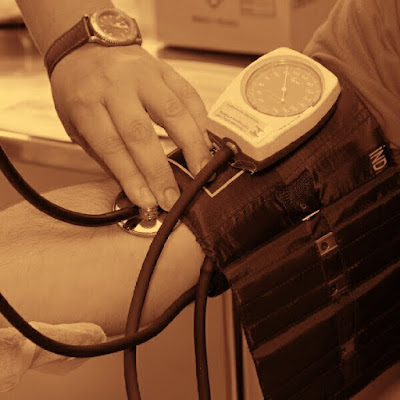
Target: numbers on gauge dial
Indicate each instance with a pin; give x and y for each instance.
(283, 88)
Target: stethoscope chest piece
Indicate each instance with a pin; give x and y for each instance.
(145, 222)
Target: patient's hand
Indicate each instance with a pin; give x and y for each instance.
(54, 272)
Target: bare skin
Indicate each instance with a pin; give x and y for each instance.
(54, 272)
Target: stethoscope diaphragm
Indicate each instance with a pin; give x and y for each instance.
(145, 222)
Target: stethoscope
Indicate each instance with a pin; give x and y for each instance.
(133, 336)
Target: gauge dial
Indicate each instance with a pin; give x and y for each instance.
(283, 88)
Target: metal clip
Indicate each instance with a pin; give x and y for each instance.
(309, 217)
(338, 286)
(326, 244)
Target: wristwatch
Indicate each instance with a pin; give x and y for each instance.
(107, 27)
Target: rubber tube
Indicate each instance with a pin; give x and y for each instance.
(142, 284)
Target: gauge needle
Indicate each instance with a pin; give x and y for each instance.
(284, 88)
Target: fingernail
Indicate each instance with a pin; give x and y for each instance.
(207, 140)
(170, 197)
(147, 197)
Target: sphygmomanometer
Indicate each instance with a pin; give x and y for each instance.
(282, 197)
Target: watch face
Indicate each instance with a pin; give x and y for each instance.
(114, 26)
(283, 88)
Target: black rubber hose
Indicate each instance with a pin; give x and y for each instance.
(200, 306)
(53, 210)
(102, 349)
(139, 296)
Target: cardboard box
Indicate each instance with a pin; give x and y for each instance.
(240, 26)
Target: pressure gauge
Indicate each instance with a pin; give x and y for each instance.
(283, 88)
(272, 106)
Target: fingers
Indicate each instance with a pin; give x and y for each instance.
(179, 109)
(110, 109)
(134, 127)
(78, 139)
(95, 125)
(189, 97)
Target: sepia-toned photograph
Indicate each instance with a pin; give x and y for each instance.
(200, 199)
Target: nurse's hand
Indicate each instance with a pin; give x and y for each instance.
(105, 97)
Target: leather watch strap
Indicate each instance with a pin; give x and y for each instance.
(75, 37)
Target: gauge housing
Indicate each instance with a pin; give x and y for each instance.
(261, 136)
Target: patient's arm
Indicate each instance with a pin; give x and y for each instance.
(54, 272)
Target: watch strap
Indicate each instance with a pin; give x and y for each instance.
(75, 37)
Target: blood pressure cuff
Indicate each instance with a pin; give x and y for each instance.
(311, 251)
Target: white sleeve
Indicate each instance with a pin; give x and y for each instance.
(18, 354)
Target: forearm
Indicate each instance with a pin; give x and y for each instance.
(48, 19)
(54, 272)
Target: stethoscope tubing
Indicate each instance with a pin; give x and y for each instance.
(130, 369)
(53, 210)
(96, 350)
